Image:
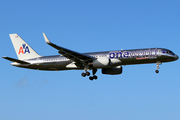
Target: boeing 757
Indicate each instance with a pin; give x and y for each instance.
(110, 62)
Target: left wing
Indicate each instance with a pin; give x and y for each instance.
(15, 60)
(72, 55)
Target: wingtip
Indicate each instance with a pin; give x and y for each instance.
(46, 39)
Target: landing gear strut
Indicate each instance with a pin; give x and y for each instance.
(157, 66)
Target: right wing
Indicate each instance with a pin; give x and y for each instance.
(72, 55)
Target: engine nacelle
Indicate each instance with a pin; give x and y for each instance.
(112, 71)
(101, 62)
(115, 62)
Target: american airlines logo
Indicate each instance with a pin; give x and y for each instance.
(24, 49)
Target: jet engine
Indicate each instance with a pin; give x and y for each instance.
(112, 71)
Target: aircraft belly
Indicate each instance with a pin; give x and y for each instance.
(49, 66)
(139, 60)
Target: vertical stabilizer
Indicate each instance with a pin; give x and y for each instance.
(23, 50)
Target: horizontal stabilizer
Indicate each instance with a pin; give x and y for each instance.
(15, 60)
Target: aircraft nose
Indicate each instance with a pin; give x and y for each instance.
(176, 57)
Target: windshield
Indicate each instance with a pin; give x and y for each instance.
(168, 52)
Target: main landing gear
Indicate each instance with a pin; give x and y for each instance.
(157, 66)
(85, 74)
(91, 77)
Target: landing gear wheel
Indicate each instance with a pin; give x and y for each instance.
(157, 66)
(95, 77)
(87, 73)
(91, 78)
(157, 71)
(83, 74)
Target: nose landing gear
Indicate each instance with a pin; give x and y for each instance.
(157, 66)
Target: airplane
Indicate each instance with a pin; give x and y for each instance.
(110, 62)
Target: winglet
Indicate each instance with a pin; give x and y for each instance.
(46, 39)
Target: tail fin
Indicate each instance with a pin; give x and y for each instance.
(23, 50)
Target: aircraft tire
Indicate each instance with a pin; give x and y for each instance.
(87, 73)
(83, 74)
(91, 78)
(95, 77)
(157, 71)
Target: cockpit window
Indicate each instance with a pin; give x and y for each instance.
(170, 52)
(167, 51)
